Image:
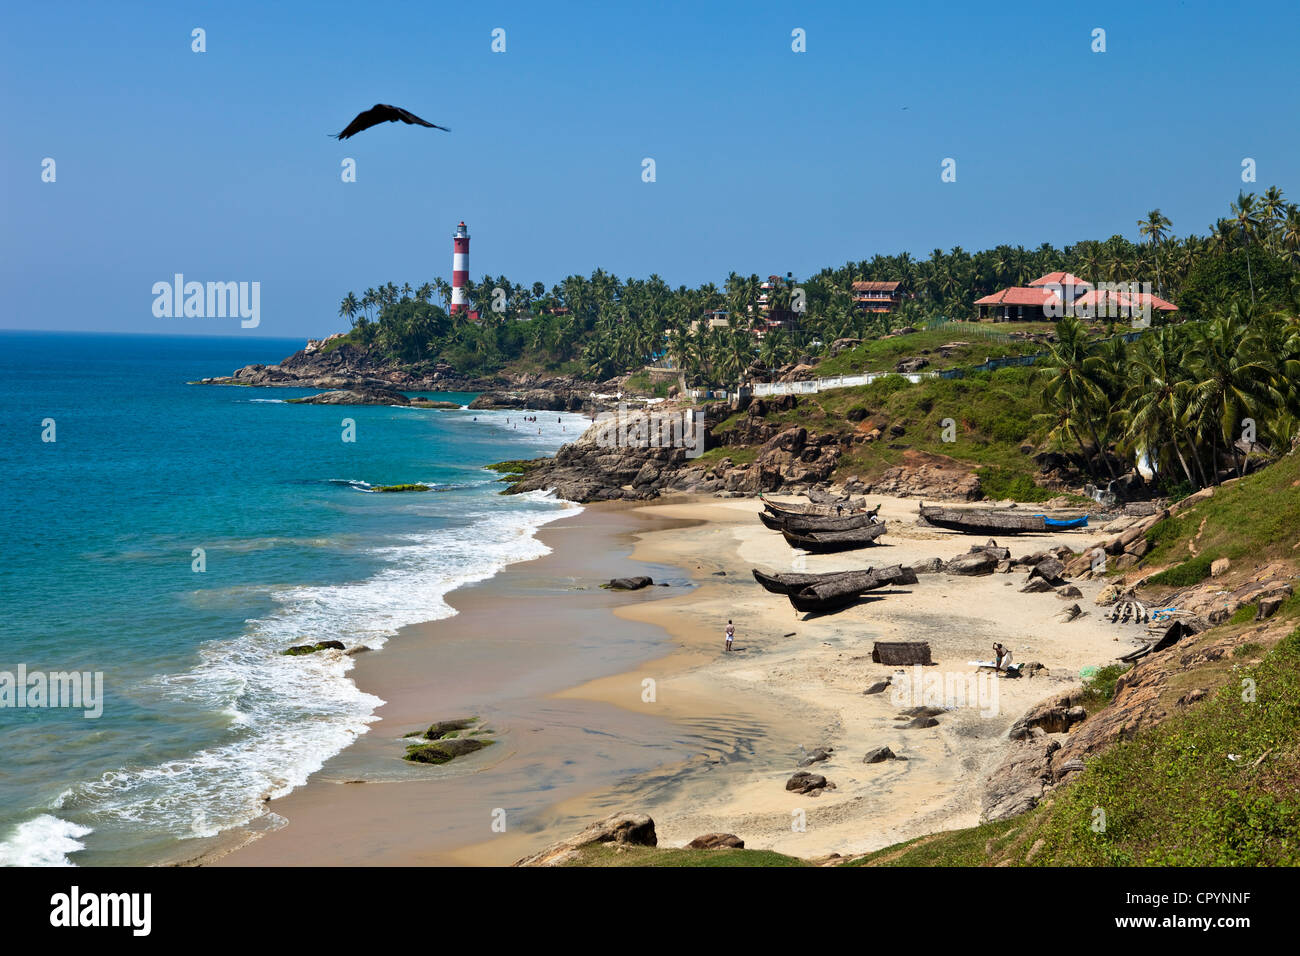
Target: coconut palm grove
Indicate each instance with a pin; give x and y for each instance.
(1214, 381)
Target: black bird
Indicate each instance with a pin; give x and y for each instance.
(382, 113)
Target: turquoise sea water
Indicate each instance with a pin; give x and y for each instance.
(202, 716)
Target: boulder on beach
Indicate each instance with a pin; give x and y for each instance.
(879, 755)
(628, 584)
(717, 841)
(623, 828)
(300, 649)
(805, 782)
(444, 750)
(977, 562)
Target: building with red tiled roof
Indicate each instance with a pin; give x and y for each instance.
(877, 296)
(1060, 278)
(1062, 293)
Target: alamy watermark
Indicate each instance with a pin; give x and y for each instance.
(76, 690)
(214, 300)
(645, 429)
(952, 689)
(1107, 300)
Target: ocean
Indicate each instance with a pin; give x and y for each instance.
(176, 538)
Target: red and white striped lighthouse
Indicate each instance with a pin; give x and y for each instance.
(459, 269)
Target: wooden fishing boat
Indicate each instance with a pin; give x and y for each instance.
(823, 542)
(805, 523)
(984, 520)
(786, 583)
(782, 509)
(844, 589)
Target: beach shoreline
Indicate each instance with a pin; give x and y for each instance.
(710, 744)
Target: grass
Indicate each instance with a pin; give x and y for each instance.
(739, 455)
(1190, 572)
(399, 488)
(1170, 795)
(604, 854)
(881, 355)
(989, 415)
(1254, 519)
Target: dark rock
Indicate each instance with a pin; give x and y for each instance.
(805, 782)
(977, 562)
(920, 723)
(440, 729)
(442, 751)
(629, 584)
(879, 687)
(878, 755)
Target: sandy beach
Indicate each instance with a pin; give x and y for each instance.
(608, 701)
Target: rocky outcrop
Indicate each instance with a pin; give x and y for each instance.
(355, 396)
(879, 755)
(929, 476)
(1020, 780)
(623, 829)
(551, 399)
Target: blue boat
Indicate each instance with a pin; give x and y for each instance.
(1065, 524)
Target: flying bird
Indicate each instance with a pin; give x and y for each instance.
(382, 113)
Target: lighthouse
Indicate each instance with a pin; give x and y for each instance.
(459, 269)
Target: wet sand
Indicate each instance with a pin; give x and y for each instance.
(535, 628)
(625, 701)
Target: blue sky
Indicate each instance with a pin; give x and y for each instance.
(217, 164)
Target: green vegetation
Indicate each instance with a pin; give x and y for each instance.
(1001, 484)
(512, 470)
(1099, 689)
(301, 649)
(1190, 572)
(601, 325)
(1179, 395)
(1255, 518)
(739, 455)
(604, 854)
(983, 342)
(1244, 615)
(1212, 786)
(389, 488)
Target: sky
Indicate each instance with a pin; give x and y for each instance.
(216, 164)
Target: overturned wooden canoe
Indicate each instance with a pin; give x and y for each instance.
(787, 583)
(823, 542)
(847, 588)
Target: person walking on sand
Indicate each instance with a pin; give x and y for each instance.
(731, 634)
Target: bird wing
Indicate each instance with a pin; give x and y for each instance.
(383, 113)
(366, 119)
(406, 116)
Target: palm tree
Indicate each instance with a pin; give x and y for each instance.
(1155, 402)
(1153, 227)
(1073, 388)
(1246, 219)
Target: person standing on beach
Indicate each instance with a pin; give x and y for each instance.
(731, 634)
(1000, 655)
